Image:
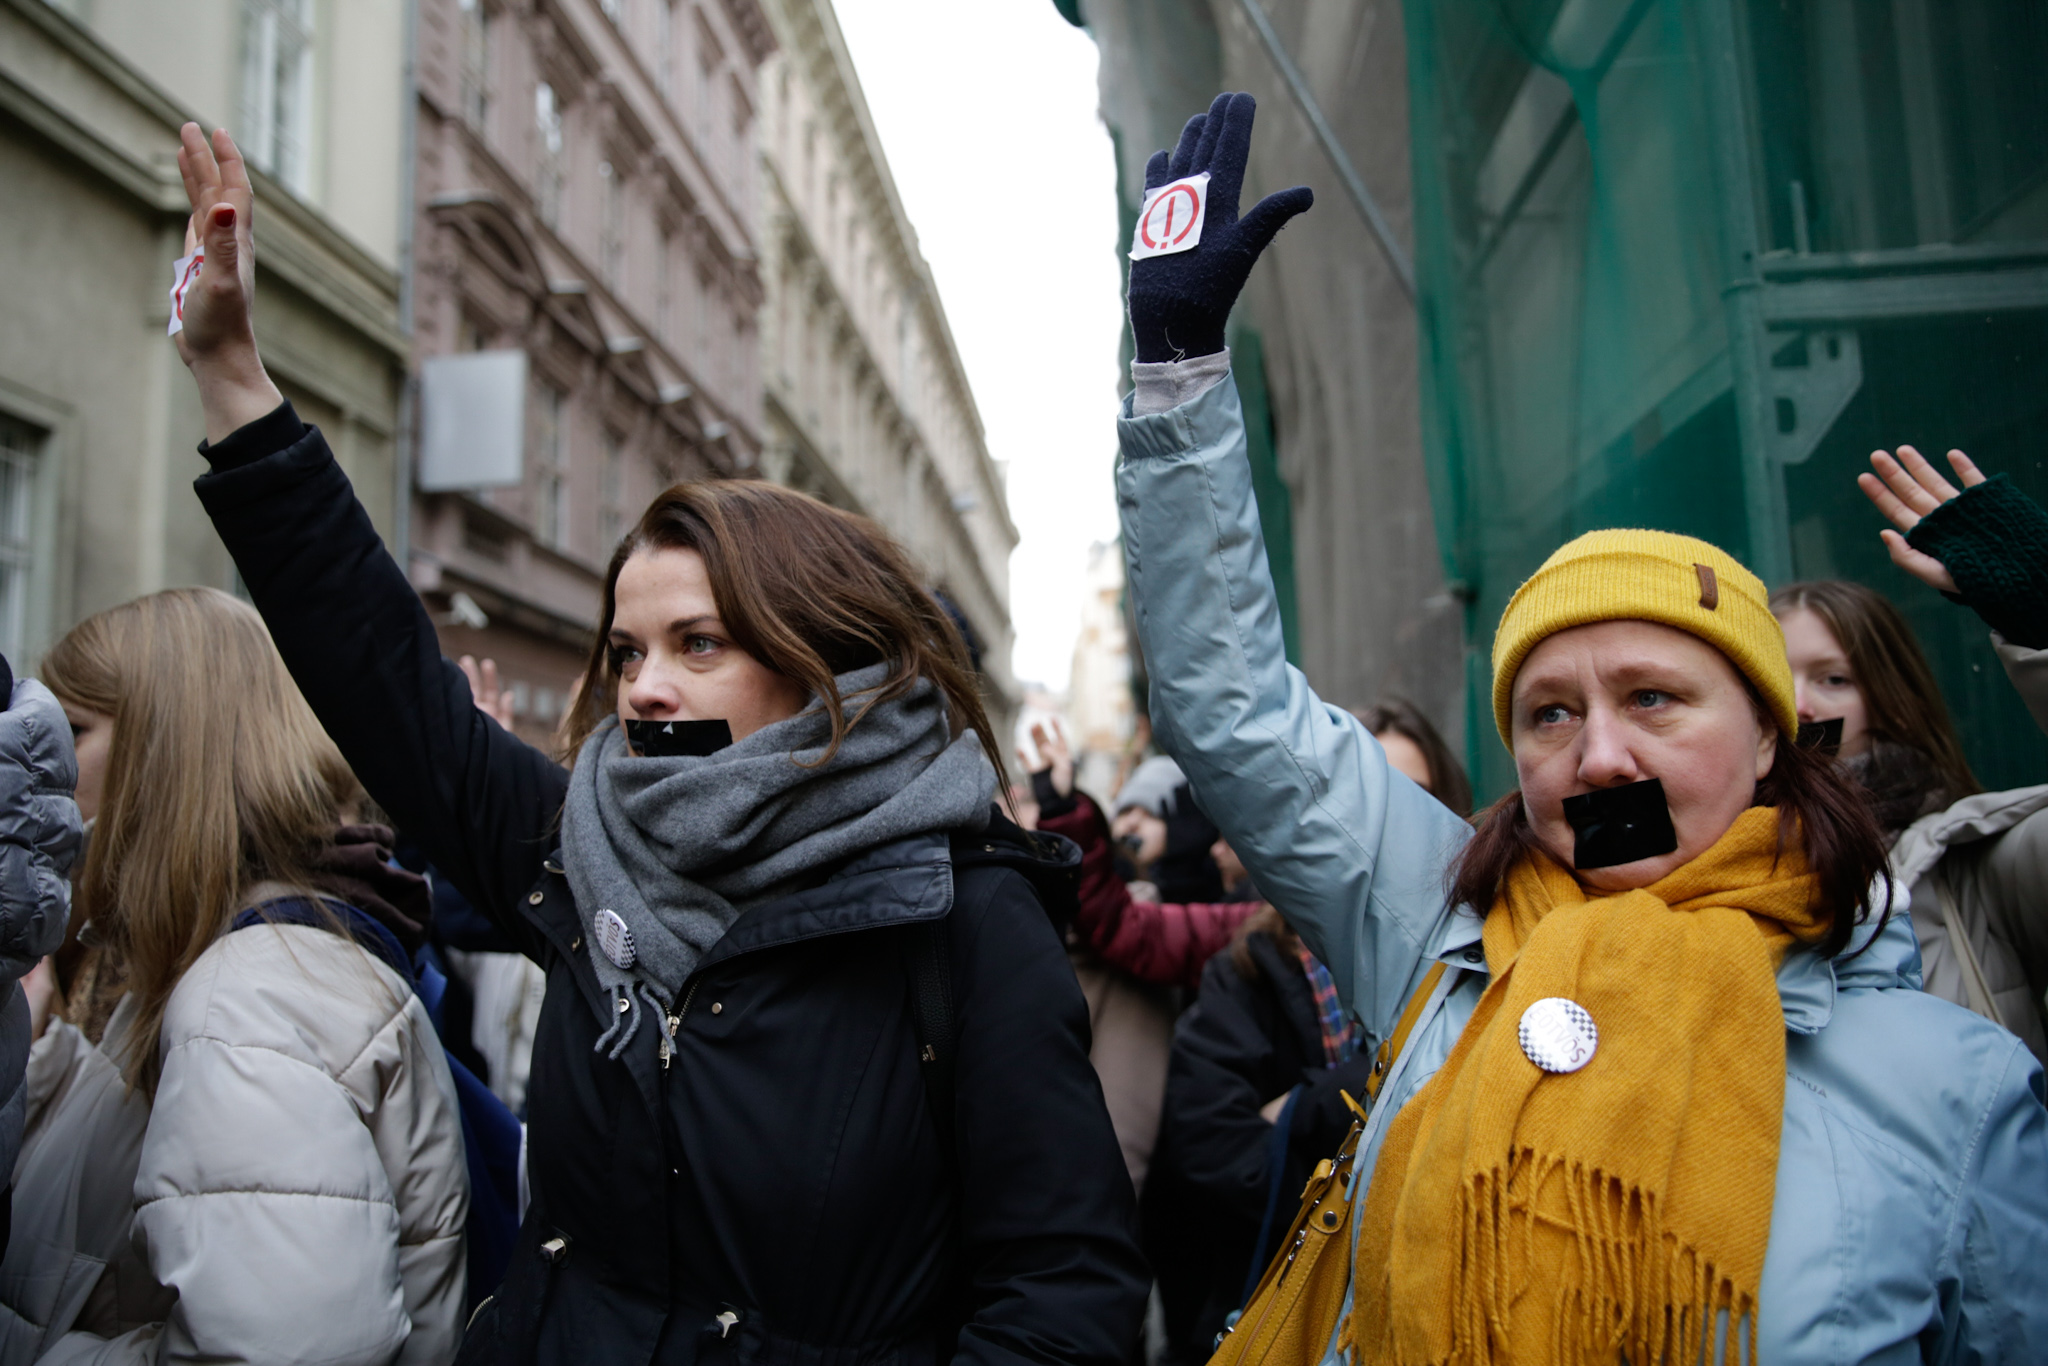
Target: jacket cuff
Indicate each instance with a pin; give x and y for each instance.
(245, 445)
(1161, 386)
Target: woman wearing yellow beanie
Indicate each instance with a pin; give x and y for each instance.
(1675, 1096)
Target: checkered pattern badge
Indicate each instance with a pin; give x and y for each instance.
(1558, 1035)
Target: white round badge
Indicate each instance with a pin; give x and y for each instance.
(1558, 1035)
(613, 937)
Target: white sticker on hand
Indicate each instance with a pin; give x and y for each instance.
(182, 276)
(1171, 219)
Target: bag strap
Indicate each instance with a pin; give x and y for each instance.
(1975, 987)
(928, 964)
(1391, 1046)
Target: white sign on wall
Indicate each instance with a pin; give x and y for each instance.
(472, 420)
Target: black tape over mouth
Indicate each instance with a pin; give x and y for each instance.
(673, 739)
(1618, 825)
(1825, 736)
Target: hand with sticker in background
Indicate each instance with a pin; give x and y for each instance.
(1191, 254)
(215, 326)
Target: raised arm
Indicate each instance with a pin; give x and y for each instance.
(477, 800)
(1984, 545)
(1352, 853)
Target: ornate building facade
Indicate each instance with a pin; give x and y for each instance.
(97, 418)
(585, 200)
(865, 402)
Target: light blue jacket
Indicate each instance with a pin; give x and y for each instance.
(1911, 1216)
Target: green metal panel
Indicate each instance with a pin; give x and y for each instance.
(1684, 263)
(1276, 511)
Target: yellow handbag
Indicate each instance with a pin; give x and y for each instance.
(1292, 1314)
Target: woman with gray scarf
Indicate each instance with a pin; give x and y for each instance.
(811, 1082)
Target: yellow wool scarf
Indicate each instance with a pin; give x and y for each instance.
(1607, 1214)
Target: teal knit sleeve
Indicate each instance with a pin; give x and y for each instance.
(1993, 539)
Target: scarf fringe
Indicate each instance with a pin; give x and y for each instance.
(1629, 1291)
(627, 999)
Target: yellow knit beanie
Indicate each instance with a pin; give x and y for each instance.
(1655, 576)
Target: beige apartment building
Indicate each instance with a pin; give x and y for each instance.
(585, 303)
(865, 402)
(97, 419)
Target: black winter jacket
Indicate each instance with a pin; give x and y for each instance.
(1242, 1043)
(785, 1168)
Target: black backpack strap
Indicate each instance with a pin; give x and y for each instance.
(928, 964)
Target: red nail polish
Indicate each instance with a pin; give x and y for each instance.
(225, 215)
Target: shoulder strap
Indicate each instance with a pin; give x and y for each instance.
(1391, 1046)
(928, 964)
(337, 917)
(1975, 987)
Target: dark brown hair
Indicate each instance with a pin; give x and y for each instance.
(1890, 671)
(1820, 809)
(1447, 780)
(806, 589)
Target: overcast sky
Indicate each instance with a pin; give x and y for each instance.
(986, 110)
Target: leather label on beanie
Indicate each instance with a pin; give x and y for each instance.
(1710, 591)
(1171, 219)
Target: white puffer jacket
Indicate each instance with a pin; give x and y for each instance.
(301, 1183)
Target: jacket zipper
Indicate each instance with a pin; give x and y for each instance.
(675, 1022)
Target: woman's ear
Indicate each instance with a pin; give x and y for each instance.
(1766, 749)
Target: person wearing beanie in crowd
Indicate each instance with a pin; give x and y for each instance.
(1673, 1092)
(1976, 861)
(810, 1081)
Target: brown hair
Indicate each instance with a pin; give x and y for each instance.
(1820, 809)
(1891, 672)
(806, 589)
(1447, 780)
(1266, 921)
(218, 777)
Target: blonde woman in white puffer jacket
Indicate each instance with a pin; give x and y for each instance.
(291, 1149)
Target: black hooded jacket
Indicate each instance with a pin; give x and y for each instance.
(1246, 1040)
(777, 1193)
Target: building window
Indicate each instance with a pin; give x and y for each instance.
(611, 222)
(20, 446)
(476, 64)
(547, 177)
(611, 511)
(550, 469)
(277, 88)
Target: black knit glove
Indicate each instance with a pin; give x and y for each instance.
(1993, 540)
(1180, 302)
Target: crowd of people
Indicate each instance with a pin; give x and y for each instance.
(1719, 1038)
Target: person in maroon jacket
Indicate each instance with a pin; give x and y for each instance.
(1161, 942)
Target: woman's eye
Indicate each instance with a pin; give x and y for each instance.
(700, 645)
(622, 657)
(1837, 681)
(1650, 697)
(1553, 715)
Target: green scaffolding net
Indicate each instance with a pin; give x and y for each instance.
(1686, 263)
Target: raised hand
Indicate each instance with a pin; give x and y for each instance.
(1905, 489)
(492, 698)
(1180, 302)
(218, 343)
(1057, 757)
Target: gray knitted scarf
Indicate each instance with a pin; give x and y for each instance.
(663, 854)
